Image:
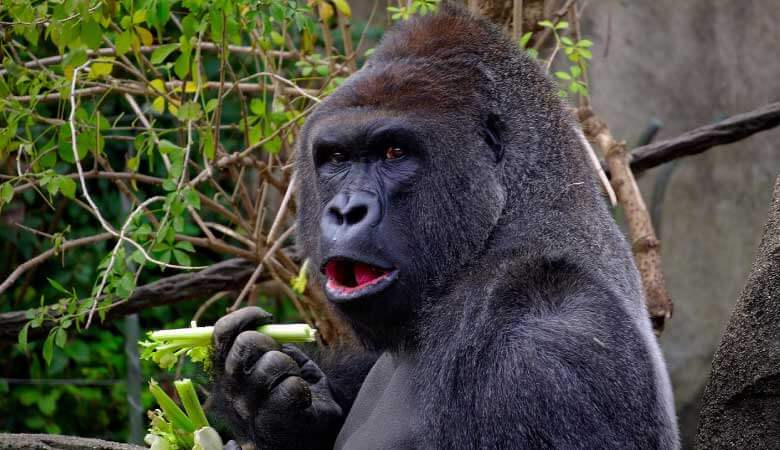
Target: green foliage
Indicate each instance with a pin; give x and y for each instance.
(185, 116)
(577, 54)
(416, 7)
(221, 88)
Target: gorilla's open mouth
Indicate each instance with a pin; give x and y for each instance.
(349, 279)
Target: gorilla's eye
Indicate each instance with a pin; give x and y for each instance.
(394, 153)
(337, 157)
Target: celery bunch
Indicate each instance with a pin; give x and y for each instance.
(165, 346)
(174, 429)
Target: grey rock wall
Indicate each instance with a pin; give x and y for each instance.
(689, 63)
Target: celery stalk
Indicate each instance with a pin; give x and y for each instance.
(172, 412)
(189, 398)
(165, 346)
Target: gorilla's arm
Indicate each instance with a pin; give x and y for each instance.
(278, 397)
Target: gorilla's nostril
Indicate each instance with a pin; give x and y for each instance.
(356, 214)
(336, 214)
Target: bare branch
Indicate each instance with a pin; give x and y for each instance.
(135, 88)
(223, 276)
(644, 243)
(59, 442)
(29, 264)
(701, 139)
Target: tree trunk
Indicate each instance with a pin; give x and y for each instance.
(741, 403)
(58, 442)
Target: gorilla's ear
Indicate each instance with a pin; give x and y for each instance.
(492, 132)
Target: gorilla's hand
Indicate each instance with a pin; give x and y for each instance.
(273, 396)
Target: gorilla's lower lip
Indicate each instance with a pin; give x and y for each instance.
(348, 279)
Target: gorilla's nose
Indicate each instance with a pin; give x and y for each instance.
(350, 213)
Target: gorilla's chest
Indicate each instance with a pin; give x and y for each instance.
(382, 415)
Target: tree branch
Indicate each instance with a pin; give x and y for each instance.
(140, 89)
(224, 276)
(9, 441)
(29, 264)
(701, 139)
(644, 243)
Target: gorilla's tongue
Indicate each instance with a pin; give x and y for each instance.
(365, 274)
(346, 274)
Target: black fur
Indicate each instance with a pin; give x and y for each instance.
(517, 317)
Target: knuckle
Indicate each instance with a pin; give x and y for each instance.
(294, 391)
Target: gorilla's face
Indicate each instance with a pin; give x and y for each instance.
(366, 171)
(391, 204)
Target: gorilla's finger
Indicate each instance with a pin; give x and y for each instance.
(228, 327)
(248, 348)
(309, 370)
(292, 392)
(270, 370)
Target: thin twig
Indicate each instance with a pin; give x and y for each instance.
(32, 262)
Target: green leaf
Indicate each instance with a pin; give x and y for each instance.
(91, 33)
(168, 147)
(139, 16)
(125, 285)
(77, 350)
(277, 12)
(123, 43)
(58, 286)
(277, 39)
(52, 185)
(189, 111)
(576, 71)
(192, 199)
(182, 64)
(563, 75)
(189, 25)
(562, 25)
(567, 40)
(273, 146)
(343, 7)
(208, 145)
(138, 258)
(6, 193)
(61, 336)
(181, 258)
(158, 105)
(257, 107)
(546, 24)
(585, 53)
(48, 347)
(169, 185)
(160, 53)
(524, 39)
(23, 338)
(585, 43)
(47, 404)
(144, 35)
(100, 69)
(212, 104)
(186, 246)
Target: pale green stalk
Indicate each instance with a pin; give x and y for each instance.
(172, 411)
(189, 398)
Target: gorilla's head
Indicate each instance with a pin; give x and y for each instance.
(404, 171)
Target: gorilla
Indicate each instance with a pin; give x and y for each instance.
(445, 198)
